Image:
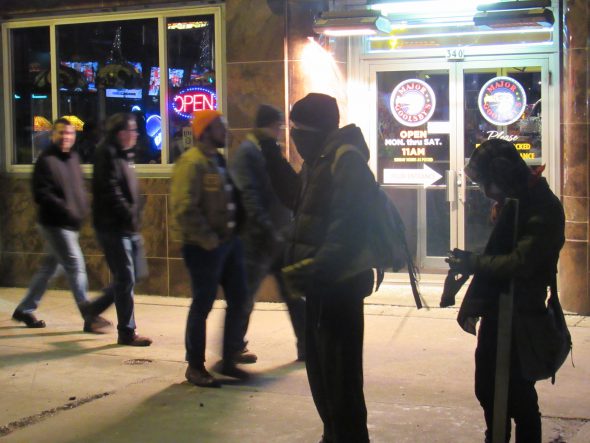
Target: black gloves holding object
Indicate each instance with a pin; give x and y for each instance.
(461, 262)
(453, 283)
(462, 265)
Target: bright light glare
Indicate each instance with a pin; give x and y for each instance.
(432, 7)
(321, 71)
(348, 32)
(459, 34)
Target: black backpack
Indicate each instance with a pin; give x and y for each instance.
(386, 248)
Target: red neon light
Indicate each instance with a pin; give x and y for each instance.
(190, 102)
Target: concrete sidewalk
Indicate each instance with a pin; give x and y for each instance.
(60, 385)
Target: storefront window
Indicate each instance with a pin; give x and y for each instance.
(110, 66)
(191, 75)
(104, 68)
(31, 93)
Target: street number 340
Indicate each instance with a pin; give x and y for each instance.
(455, 54)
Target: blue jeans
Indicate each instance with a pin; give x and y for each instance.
(208, 269)
(63, 255)
(126, 261)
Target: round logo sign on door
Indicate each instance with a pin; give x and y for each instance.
(412, 102)
(502, 101)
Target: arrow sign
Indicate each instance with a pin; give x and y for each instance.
(425, 176)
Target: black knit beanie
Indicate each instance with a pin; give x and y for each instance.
(267, 115)
(318, 111)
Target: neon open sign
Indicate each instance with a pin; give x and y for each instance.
(193, 99)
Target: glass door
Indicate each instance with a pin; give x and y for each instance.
(415, 115)
(428, 118)
(500, 101)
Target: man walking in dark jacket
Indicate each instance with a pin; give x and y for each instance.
(60, 194)
(531, 264)
(267, 220)
(329, 231)
(116, 210)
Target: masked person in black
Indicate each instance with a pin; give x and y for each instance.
(329, 197)
(530, 262)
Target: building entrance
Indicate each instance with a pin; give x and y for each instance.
(427, 119)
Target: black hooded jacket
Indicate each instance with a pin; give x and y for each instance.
(116, 204)
(532, 263)
(58, 189)
(330, 223)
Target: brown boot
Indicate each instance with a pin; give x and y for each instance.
(134, 340)
(245, 357)
(201, 377)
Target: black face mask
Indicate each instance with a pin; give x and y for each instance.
(308, 143)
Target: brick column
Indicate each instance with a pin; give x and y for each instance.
(574, 268)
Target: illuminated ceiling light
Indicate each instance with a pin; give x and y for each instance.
(430, 7)
(347, 23)
(526, 13)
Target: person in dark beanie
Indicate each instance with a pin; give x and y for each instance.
(60, 195)
(330, 197)
(267, 220)
(530, 263)
(116, 210)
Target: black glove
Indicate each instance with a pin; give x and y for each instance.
(297, 278)
(461, 262)
(453, 283)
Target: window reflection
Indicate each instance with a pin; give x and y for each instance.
(31, 87)
(104, 68)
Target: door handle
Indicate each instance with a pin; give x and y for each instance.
(461, 185)
(451, 182)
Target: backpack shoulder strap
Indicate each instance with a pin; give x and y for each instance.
(340, 151)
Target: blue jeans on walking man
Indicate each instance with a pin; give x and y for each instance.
(209, 269)
(126, 260)
(63, 255)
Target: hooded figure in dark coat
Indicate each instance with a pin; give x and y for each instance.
(528, 258)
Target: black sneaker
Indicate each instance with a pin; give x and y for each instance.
(28, 319)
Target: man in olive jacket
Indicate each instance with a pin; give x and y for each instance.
(204, 208)
(330, 229)
(531, 264)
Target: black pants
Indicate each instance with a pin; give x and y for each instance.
(523, 404)
(260, 262)
(334, 333)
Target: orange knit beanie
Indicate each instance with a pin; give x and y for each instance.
(202, 119)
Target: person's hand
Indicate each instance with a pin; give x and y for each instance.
(297, 278)
(453, 283)
(461, 262)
